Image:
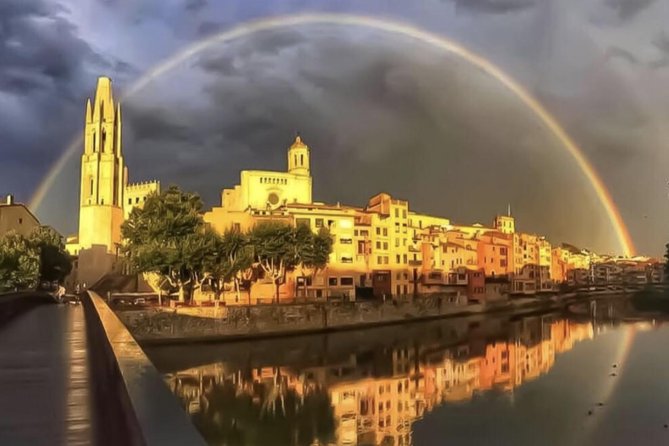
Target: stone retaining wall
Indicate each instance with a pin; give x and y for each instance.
(155, 325)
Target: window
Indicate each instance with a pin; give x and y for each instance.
(398, 290)
(379, 260)
(397, 227)
(385, 232)
(347, 260)
(129, 200)
(404, 258)
(398, 261)
(397, 213)
(404, 213)
(332, 281)
(378, 245)
(302, 160)
(319, 222)
(364, 233)
(346, 241)
(361, 247)
(136, 200)
(346, 281)
(385, 245)
(397, 243)
(385, 259)
(378, 230)
(355, 233)
(363, 278)
(20, 221)
(502, 251)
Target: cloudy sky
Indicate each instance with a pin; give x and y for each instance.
(381, 112)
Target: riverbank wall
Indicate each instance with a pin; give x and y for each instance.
(159, 325)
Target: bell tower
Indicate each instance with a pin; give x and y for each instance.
(298, 158)
(102, 172)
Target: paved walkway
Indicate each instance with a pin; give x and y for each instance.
(44, 378)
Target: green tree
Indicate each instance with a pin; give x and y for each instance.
(274, 250)
(229, 260)
(19, 262)
(55, 262)
(312, 250)
(167, 237)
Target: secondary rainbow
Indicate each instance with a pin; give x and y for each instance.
(437, 41)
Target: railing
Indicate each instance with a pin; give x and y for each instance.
(132, 400)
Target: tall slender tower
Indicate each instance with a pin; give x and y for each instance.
(102, 172)
(298, 158)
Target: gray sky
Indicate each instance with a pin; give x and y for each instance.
(381, 112)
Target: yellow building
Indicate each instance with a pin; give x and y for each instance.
(370, 245)
(16, 217)
(381, 249)
(103, 189)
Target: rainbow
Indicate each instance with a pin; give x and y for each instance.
(265, 24)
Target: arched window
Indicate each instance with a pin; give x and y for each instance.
(302, 160)
(91, 186)
(295, 158)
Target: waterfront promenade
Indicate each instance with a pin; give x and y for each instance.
(73, 375)
(44, 378)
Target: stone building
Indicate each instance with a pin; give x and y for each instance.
(16, 217)
(104, 189)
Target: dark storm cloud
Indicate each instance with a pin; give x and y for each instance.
(493, 6)
(158, 124)
(628, 9)
(195, 5)
(208, 27)
(40, 49)
(621, 53)
(661, 42)
(380, 116)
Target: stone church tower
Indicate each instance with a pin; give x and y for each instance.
(298, 158)
(102, 172)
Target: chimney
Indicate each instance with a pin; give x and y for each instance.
(10, 199)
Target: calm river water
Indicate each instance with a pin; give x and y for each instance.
(542, 379)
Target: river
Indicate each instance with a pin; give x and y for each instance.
(594, 376)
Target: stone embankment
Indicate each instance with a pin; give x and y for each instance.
(157, 325)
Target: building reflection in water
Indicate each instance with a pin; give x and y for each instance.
(370, 397)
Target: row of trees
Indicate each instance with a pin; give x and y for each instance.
(26, 261)
(169, 237)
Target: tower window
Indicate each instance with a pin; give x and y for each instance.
(295, 158)
(91, 186)
(301, 160)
